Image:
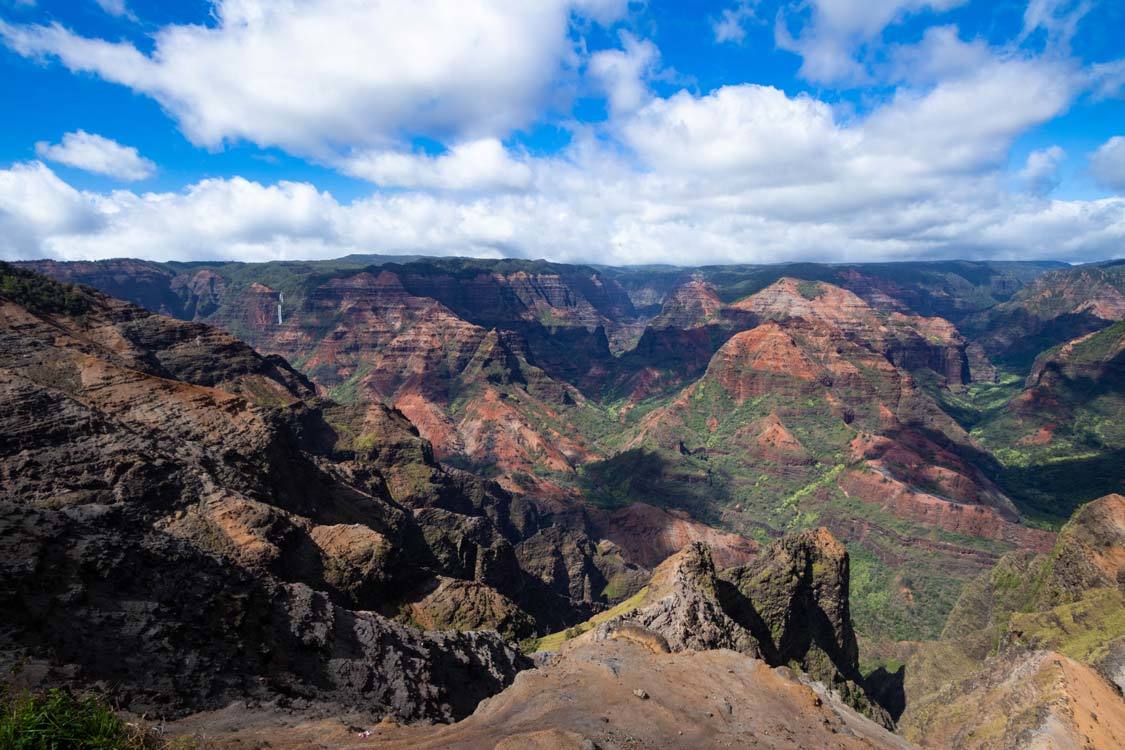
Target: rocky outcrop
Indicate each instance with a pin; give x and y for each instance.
(455, 604)
(788, 606)
(683, 606)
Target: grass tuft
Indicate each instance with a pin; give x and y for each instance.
(60, 720)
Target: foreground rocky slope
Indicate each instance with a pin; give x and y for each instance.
(788, 607)
(588, 697)
(1034, 653)
(180, 522)
(697, 659)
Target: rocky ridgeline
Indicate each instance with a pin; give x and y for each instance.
(1033, 654)
(789, 606)
(1056, 307)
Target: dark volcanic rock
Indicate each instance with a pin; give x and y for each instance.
(183, 524)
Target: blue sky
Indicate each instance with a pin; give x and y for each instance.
(577, 130)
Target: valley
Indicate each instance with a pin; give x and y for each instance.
(465, 466)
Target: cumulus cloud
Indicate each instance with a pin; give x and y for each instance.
(623, 73)
(754, 131)
(36, 207)
(94, 153)
(1041, 171)
(831, 33)
(638, 219)
(741, 174)
(941, 55)
(1108, 164)
(314, 75)
(474, 165)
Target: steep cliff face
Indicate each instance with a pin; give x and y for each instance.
(1054, 308)
(1061, 437)
(1032, 654)
(181, 520)
(799, 586)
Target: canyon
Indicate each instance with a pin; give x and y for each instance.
(390, 484)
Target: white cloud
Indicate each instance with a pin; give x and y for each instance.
(638, 220)
(1108, 164)
(754, 131)
(832, 32)
(115, 8)
(93, 153)
(941, 55)
(622, 73)
(474, 165)
(743, 174)
(35, 206)
(730, 26)
(312, 76)
(1041, 171)
(1108, 79)
(1058, 19)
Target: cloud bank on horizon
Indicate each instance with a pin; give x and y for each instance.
(576, 130)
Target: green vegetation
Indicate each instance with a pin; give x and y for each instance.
(1082, 630)
(348, 392)
(907, 602)
(41, 294)
(810, 290)
(60, 720)
(554, 641)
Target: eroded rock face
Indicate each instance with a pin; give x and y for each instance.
(684, 607)
(181, 520)
(788, 606)
(909, 341)
(1054, 308)
(799, 587)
